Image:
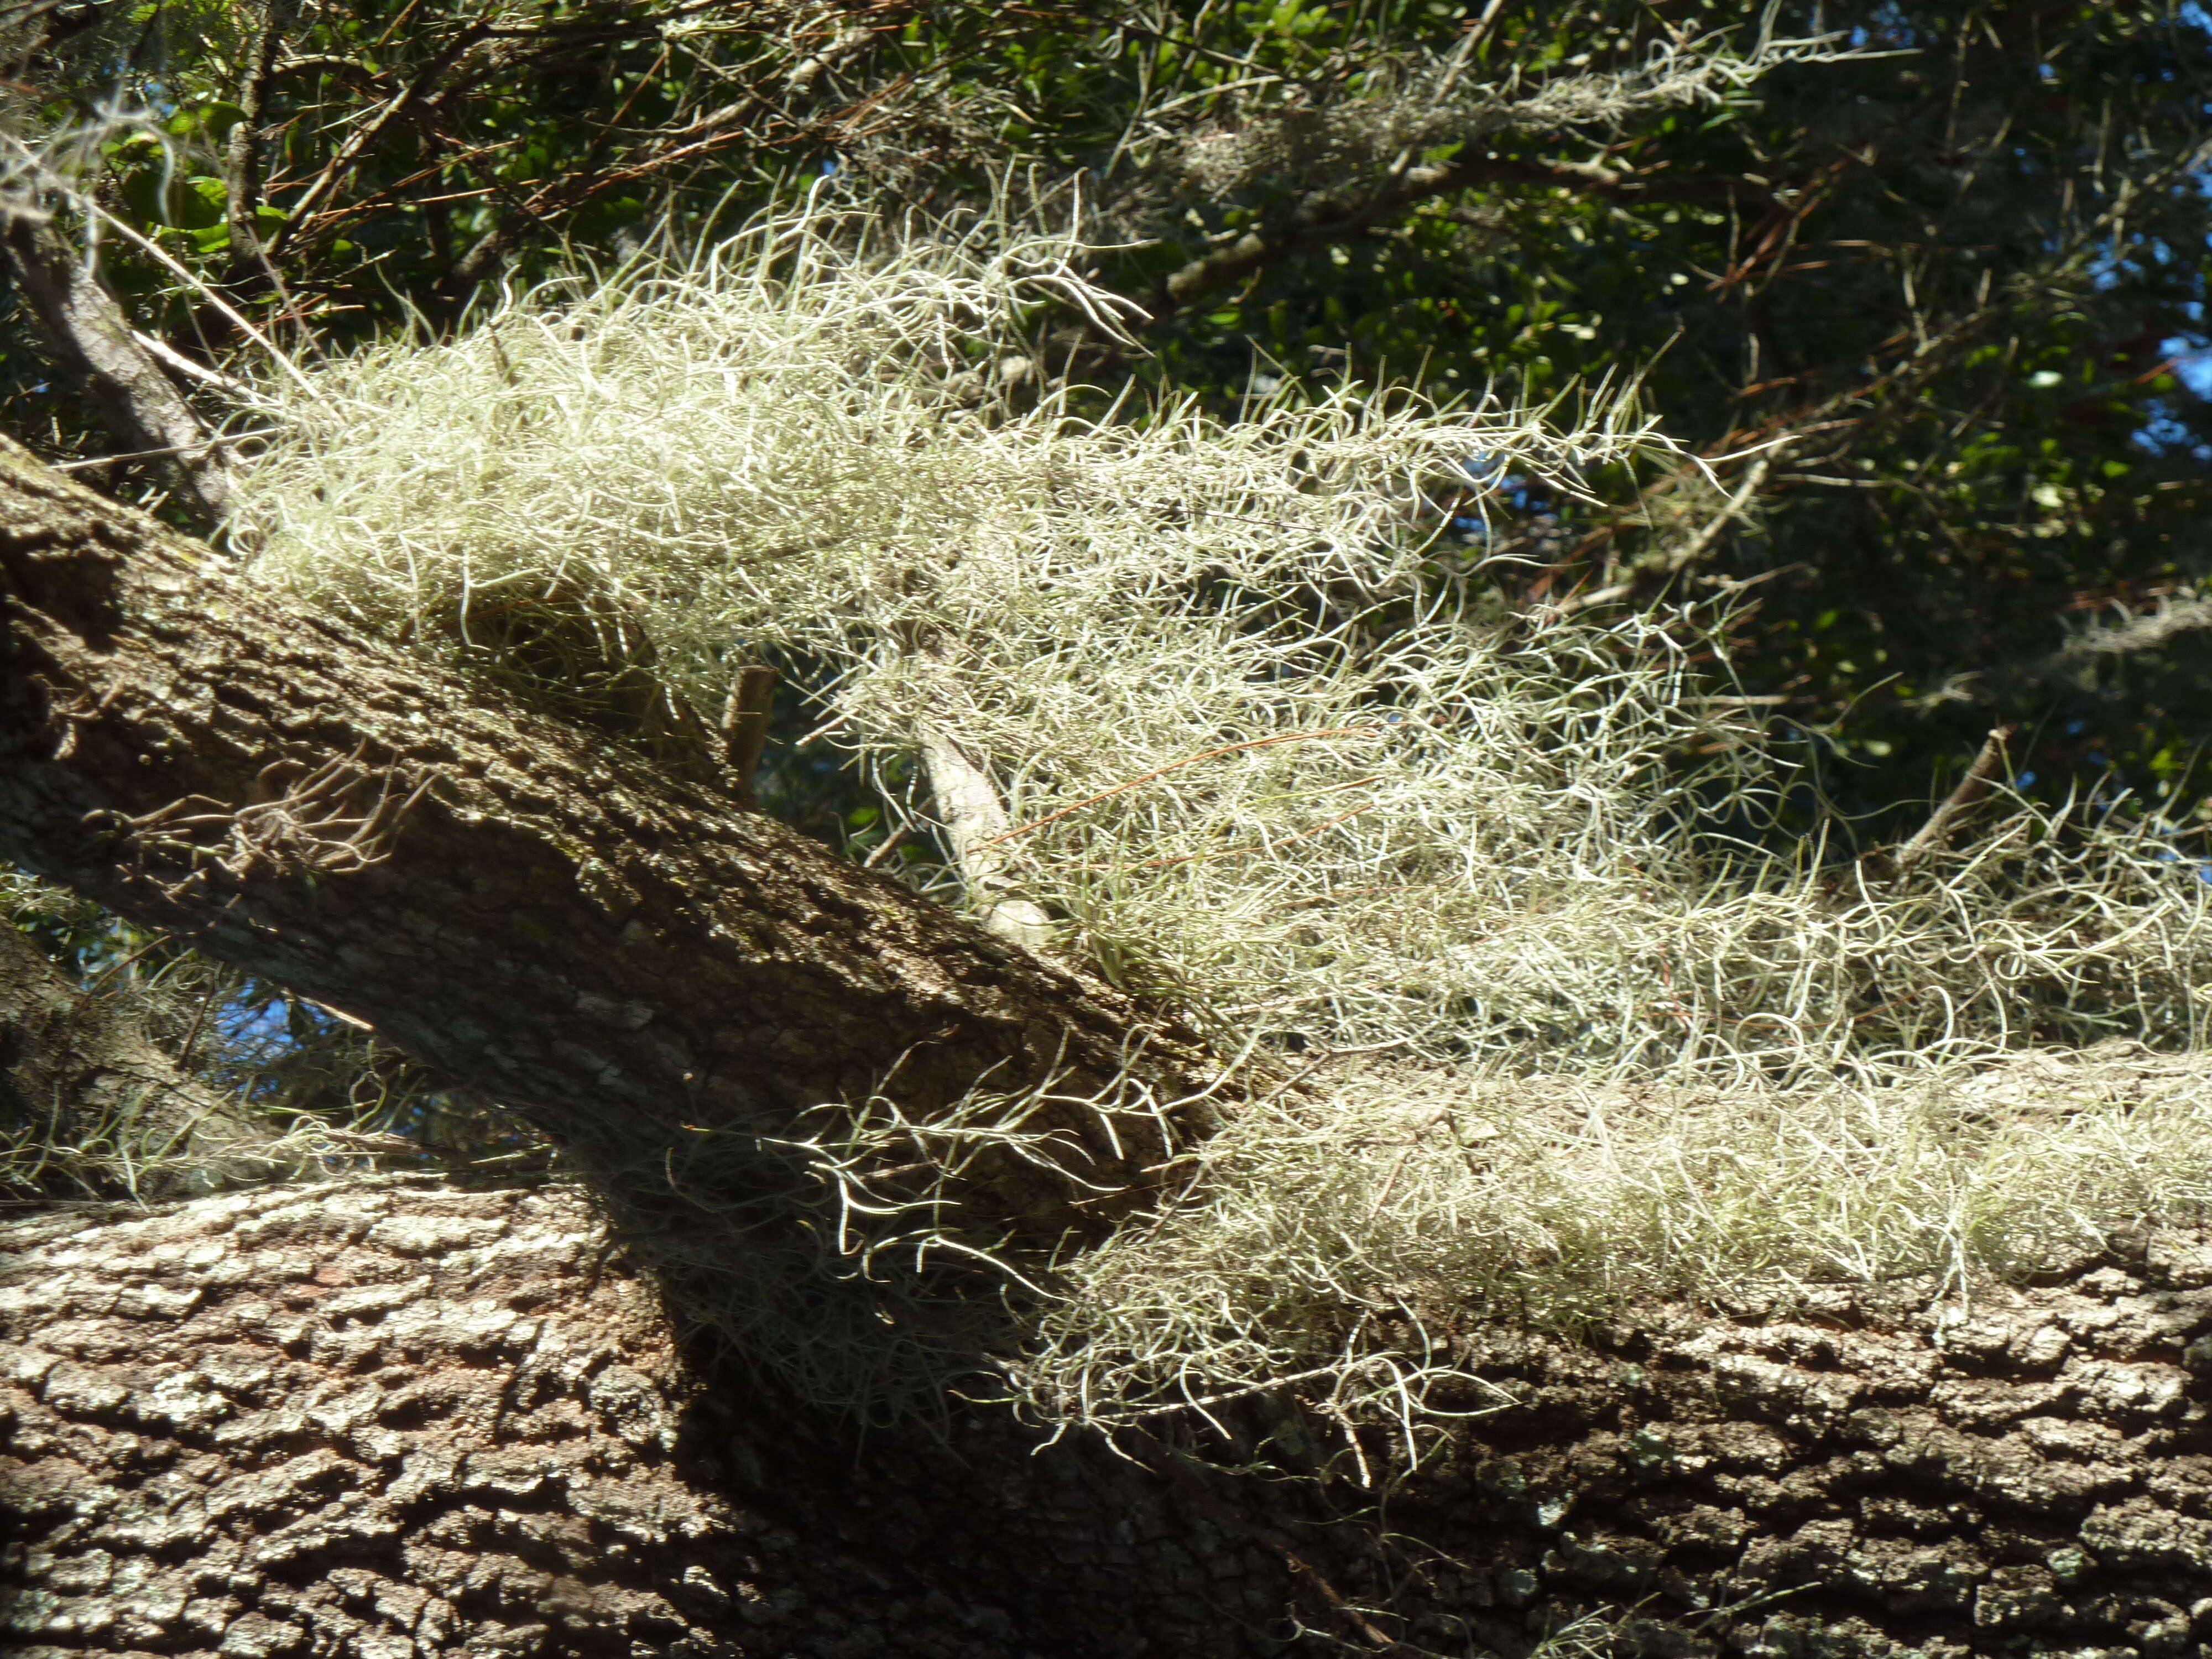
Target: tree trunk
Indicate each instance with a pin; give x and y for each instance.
(649, 971)
(389, 1417)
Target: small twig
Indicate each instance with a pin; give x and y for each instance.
(114, 969)
(1971, 787)
(1754, 477)
(744, 724)
(1382, 1641)
(1390, 1184)
(1690, 552)
(891, 843)
(161, 256)
(170, 357)
(358, 140)
(171, 449)
(387, 1145)
(1232, 852)
(193, 1036)
(823, 731)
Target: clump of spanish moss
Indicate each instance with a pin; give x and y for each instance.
(1251, 735)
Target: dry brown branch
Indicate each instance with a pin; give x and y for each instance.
(1980, 776)
(744, 724)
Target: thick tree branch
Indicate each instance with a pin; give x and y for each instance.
(340, 1382)
(628, 958)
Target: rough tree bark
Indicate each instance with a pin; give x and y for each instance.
(572, 928)
(387, 1417)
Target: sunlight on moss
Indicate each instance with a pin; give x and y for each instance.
(1572, 1031)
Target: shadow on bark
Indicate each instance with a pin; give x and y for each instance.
(387, 1416)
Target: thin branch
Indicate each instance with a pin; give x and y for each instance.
(1690, 552)
(975, 820)
(1333, 219)
(85, 334)
(175, 360)
(744, 724)
(1971, 787)
(192, 448)
(160, 255)
(243, 150)
(362, 136)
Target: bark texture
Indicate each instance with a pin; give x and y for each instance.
(390, 1419)
(79, 1078)
(631, 958)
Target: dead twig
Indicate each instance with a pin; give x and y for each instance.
(1971, 787)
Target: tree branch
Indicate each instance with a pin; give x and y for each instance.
(1971, 788)
(631, 960)
(968, 805)
(242, 152)
(1331, 218)
(358, 141)
(91, 342)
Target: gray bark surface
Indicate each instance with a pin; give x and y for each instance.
(630, 958)
(388, 1417)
